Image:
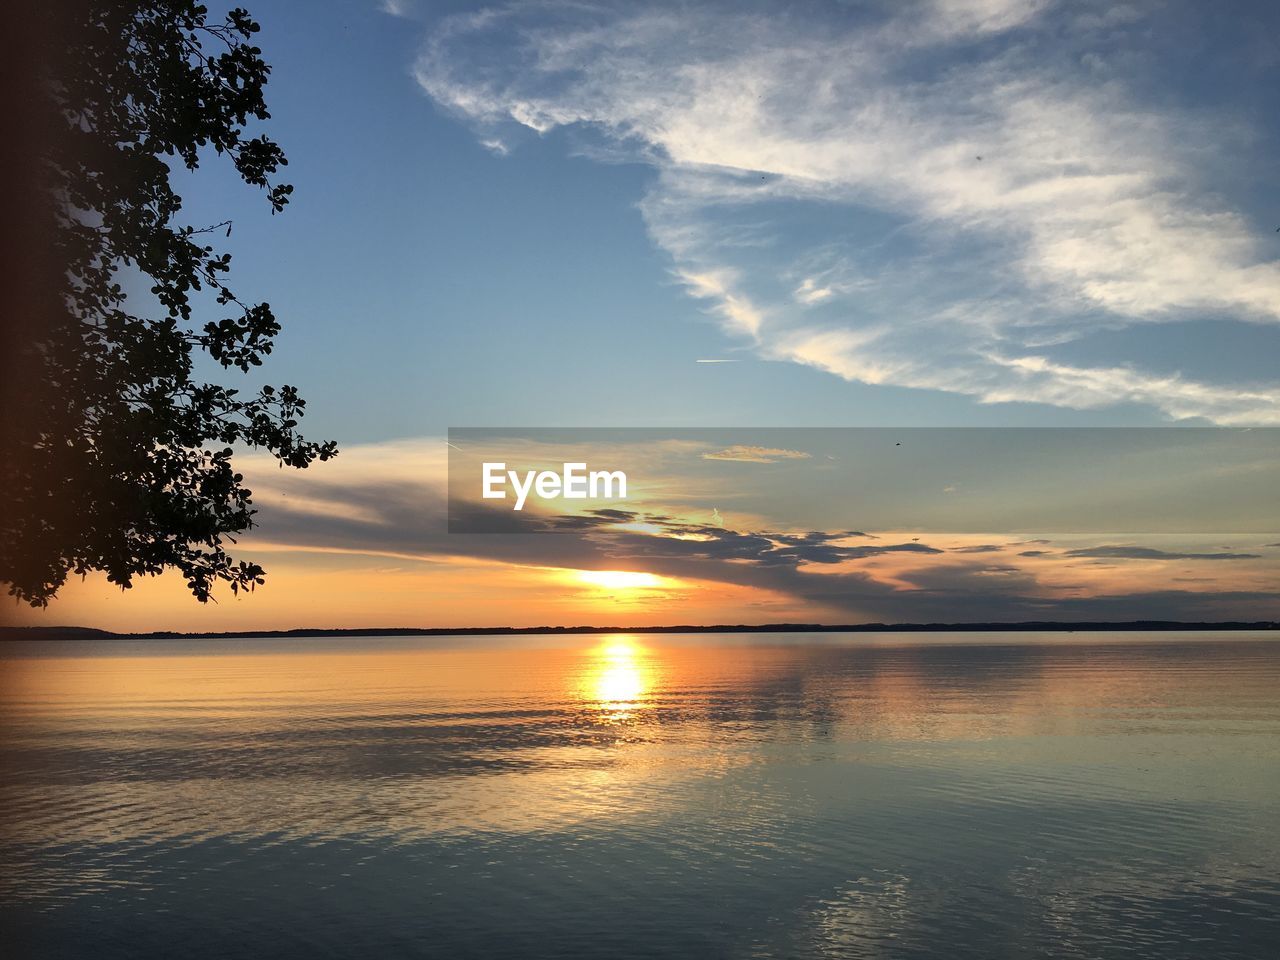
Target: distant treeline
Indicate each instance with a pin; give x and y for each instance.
(90, 633)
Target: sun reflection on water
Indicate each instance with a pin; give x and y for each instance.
(618, 677)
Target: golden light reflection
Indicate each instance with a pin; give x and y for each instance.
(619, 676)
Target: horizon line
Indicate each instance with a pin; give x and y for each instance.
(68, 632)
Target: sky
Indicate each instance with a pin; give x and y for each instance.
(941, 213)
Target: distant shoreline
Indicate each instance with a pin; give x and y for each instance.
(1031, 626)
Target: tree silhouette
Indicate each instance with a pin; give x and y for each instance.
(115, 458)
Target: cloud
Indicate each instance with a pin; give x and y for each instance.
(935, 195)
(689, 541)
(960, 17)
(1150, 553)
(397, 8)
(741, 453)
(389, 500)
(738, 314)
(809, 292)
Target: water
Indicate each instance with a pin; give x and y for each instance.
(944, 796)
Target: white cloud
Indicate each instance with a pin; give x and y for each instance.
(1021, 201)
(811, 291)
(737, 313)
(745, 453)
(980, 16)
(396, 8)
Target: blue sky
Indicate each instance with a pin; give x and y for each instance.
(546, 213)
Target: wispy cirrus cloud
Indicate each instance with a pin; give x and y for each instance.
(743, 453)
(397, 8)
(934, 194)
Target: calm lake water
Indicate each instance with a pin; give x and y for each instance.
(950, 796)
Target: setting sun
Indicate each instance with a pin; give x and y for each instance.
(619, 579)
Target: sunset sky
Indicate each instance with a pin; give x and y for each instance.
(944, 213)
(750, 526)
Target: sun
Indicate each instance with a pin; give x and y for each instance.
(619, 579)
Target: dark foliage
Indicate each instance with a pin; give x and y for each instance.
(115, 459)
